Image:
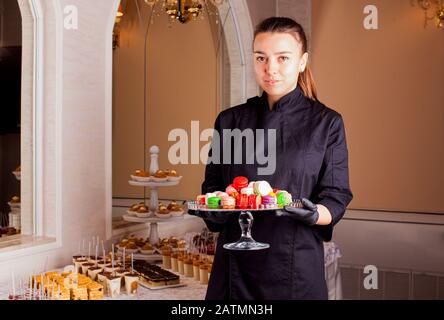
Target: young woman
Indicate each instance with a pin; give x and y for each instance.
(311, 164)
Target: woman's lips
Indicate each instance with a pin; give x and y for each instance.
(272, 82)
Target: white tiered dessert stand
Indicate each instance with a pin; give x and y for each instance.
(154, 203)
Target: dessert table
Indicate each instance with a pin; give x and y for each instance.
(193, 290)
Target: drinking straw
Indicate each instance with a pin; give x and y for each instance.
(97, 249)
(132, 266)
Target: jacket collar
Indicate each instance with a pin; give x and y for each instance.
(290, 101)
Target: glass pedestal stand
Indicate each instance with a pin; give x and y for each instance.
(246, 241)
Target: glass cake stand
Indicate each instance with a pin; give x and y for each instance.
(246, 241)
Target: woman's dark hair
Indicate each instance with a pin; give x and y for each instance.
(287, 25)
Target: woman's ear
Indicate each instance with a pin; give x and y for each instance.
(303, 62)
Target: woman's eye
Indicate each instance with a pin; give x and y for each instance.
(260, 59)
(284, 58)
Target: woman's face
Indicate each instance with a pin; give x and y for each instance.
(278, 60)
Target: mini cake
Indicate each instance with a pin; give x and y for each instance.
(141, 175)
(160, 176)
(147, 249)
(175, 209)
(143, 211)
(172, 175)
(163, 212)
(15, 199)
(131, 247)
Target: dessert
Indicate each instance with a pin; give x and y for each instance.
(175, 209)
(143, 211)
(284, 198)
(131, 283)
(172, 175)
(228, 203)
(242, 194)
(213, 202)
(262, 188)
(95, 291)
(113, 284)
(163, 212)
(203, 276)
(240, 183)
(154, 276)
(188, 266)
(160, 176)
(147, 248)
(166, 258)
(94, 271)
(141, 175)
(15, 199)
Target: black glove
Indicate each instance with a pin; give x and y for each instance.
(308, 213)
(213, 216)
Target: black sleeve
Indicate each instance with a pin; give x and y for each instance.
(333, 189)
(213, 173)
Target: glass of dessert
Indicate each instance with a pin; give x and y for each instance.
(114, 283)
(131, 283)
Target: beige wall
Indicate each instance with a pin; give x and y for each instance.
(181, 87)
(387, 84)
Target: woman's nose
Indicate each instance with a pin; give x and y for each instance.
(271, 67)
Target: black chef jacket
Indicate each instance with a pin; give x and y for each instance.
(312, 162)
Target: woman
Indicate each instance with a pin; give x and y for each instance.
(311, 164)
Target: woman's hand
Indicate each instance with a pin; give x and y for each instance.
(308, 213)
